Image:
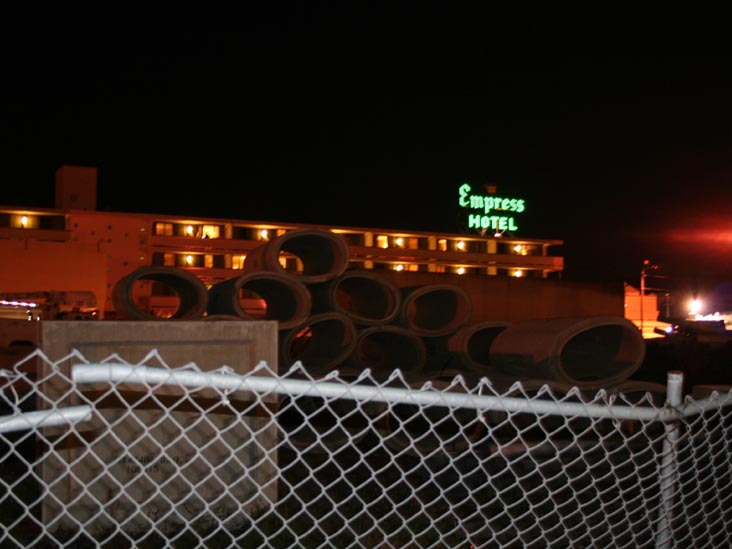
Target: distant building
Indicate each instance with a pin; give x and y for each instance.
(75, 247)
(643, 312)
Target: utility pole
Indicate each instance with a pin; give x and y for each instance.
(647, 266)
(642, 292)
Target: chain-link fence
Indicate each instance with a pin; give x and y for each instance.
(111, 454)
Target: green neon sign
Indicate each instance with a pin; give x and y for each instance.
(488, 211)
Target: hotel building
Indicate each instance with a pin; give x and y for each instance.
(75, 247)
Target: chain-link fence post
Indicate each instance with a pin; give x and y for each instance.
(669, 465)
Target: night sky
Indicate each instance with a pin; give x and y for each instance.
(614, 126)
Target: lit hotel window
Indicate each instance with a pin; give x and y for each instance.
(461, 270)
(518, 273)
(442, 244)
(208, 261)
(189, 260)
(169, 260)
(210, 231)
(519, 249)
(291, 264)
(461, 245)
(399, 267)
(24, 222)
(164, 229)
(382, 241)
(264, 234)
(189, 230)
(399, 242)
(237, 261)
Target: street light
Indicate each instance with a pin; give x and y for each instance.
(694, 307)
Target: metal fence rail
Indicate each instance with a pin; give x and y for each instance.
(130, 455)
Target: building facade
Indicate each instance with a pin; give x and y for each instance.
(75, 247)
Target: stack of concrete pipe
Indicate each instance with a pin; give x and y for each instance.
(333, 319)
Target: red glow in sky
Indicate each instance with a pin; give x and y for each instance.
(710, 238)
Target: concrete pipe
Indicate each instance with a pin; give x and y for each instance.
(439, 360)
(434, 310)
(321, 255)
(425, 430)
(385, 349)
(472, 344)
(465, 352)
(261, 295)
(368, 299)
(133, 290)
(321, 343)
(587, 352)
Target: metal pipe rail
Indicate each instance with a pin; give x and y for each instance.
(137, 374)
(45, 418)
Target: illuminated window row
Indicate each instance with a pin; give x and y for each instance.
(205, 230)
(29, 221)
(217, 261)
(214, 231)
(444, 245)
(451, 269)
(187, 229)
(355, 239)
(206, 261)
(407, 243)
(294, 264)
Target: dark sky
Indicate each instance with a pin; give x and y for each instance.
(614, 125)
